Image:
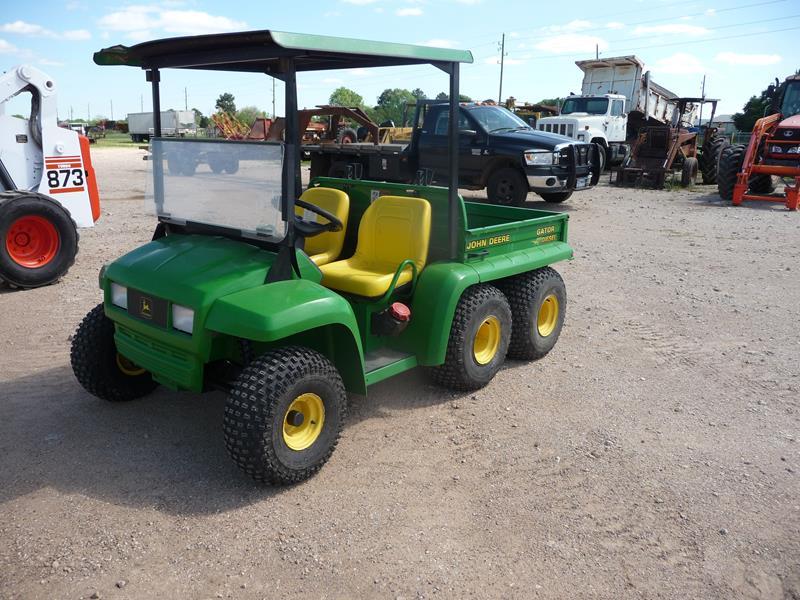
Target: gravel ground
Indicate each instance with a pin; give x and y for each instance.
(653, 454)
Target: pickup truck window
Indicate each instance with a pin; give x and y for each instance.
(444, 118)
(616, 108)
(496, 118)
(592, 106)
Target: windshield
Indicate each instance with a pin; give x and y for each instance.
(497, 118)
(231, 184)
(592, 106)
(791, 100)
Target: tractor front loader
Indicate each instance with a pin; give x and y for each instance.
(48, 187)
(748, 172)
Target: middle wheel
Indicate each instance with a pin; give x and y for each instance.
(479, 339)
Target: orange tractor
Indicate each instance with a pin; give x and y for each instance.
(749, 172)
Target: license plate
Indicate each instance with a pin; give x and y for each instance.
(582, 182)
(147, 308)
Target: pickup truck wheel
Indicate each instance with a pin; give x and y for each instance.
(99, 368)
(730, 163)
(38, 239)
(538, 301)
(479, 339)
(555, 197)
(507, 186)
(284, 415)
(602, 155)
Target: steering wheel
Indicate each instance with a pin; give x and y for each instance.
(312, 228)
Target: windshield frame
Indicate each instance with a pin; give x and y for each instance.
(794, 87)
(516, 123)
(585, 101)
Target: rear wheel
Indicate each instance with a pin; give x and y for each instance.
(38, 239)
(479, 339)
(507, 186)
(555, 197)
(709, 159)
(602, 155)
(99, 368)
(689, 171)
(538, 301)
(284, 415)
(730, 163)
(347, 136)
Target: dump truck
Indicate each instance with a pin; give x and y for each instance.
(173, 123)
(289, 300)
(618, 97)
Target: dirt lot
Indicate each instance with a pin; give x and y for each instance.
(653, 454)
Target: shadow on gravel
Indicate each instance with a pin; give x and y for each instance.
(163, 452)
(714, 200)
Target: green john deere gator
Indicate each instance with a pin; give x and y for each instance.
(289, 300)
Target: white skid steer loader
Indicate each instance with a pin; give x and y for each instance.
(47, 185)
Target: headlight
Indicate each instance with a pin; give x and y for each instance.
(539, 157)
(182, 318)
(119, 295)
(777, 150)
(793, 150)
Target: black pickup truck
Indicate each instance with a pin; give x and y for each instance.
(497, 150)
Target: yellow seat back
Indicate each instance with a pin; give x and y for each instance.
(394, 229)
(325, 247)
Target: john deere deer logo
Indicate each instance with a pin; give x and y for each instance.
(145, 309)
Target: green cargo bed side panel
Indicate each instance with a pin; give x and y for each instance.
(520, 261)
(280, 310)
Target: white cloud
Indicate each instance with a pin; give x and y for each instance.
(438, 43)
(334, 80)
(76, 5)
(50, 63)
(77, 35)
(571, 27)
(141, 20)
(732, 58)
(469, 1)
(711, 12)
(670, 28)
(408, 12)
(23, 28)
(571, 42)
(140, 36)
(7, 48)
(614, 25)
(680, 63)
(359, 2)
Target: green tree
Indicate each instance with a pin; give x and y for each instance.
(226, 104)
(200, 119)
(248, 114)
(343, 96)
(418, 94)
(445, 96)
(755, 108)
(392, 104)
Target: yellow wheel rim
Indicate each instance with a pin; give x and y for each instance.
(548, 316)
(128, 367)
(487, 340)
(303, 421)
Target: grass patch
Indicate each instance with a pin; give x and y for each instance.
(116, 140)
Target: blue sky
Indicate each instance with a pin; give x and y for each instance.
(740, 45)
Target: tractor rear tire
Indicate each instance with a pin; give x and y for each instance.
(689, 171)
(347, 136)
(38, 239)
(538, 301)
(730, 163)
(284, 415)
(709, 159)
(507, 187)
(761, 184)
(479, 338)
(99, 368)
(555, 197)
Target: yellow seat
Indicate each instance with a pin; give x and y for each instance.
(325, 247)
(393, 229)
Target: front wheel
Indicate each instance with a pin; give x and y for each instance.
(99, 368)
(538, 301)
(507, 186)
(38, 239)
(731, 160)
(478, 341)
(284, 415)
(555, 197)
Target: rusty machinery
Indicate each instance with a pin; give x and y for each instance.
(748, 172)
(659, 150)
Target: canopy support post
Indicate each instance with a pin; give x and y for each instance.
(453, 201)
(154, 77)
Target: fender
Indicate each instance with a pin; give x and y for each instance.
(295, 307)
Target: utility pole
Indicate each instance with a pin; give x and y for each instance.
(273, 98)
(502, 60)
(185, 99)
(703, 96)
(112, 109)
(141, 102)
(88, 113)
(71, 118)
